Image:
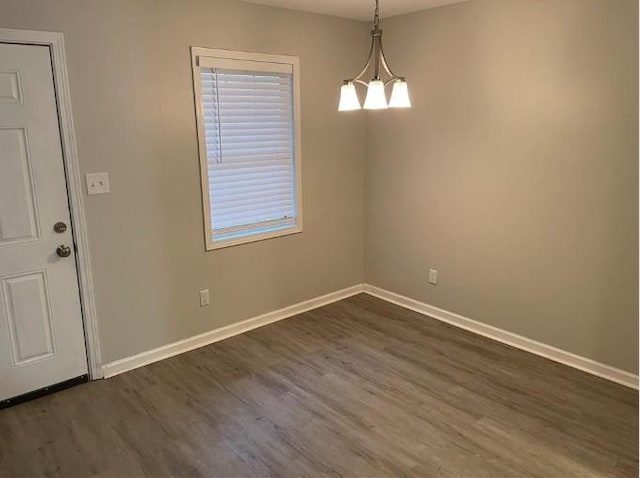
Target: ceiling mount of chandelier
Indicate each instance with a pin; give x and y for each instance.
(376, 98)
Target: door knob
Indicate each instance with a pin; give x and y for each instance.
(63, 250)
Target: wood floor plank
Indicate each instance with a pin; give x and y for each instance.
(360, 387)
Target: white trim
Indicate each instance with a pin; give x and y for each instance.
(558, 355)
(197, 51)
(55, 42)
(518, 341)
(166, 351)
(209, 57)
(251, 65)
(221, 244)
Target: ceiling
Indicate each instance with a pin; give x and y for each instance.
(356, 9)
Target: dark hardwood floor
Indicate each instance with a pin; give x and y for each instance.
(357, 388)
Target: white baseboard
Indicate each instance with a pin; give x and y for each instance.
(567, 358)
(166, 351)
(558, 355)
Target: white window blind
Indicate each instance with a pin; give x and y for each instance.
(249, 136)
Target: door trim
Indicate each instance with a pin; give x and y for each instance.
(55, 42)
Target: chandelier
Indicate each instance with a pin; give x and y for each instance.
(376, 98)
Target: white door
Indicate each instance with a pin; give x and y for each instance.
(41, 330)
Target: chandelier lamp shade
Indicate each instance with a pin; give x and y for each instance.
(376, 98)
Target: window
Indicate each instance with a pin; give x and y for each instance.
(248, 117)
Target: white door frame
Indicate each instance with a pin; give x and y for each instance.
(55, 42)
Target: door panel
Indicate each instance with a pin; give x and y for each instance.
(41, 331)
(17, 211)
(10, 87)
(28, 309)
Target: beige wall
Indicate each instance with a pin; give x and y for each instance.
(132, 94)
(515, 175)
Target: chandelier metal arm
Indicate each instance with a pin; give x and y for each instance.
(386, 66)
(366, 66)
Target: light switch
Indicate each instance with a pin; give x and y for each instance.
(98, 183)
(433, 276)
(204, 298)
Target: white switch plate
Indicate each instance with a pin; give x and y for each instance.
(204, 298)
(98, 183)
(433, 276)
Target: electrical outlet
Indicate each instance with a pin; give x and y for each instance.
(433, 276)
(98, 183)
(204, 298)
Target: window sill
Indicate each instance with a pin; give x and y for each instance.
(220, 244)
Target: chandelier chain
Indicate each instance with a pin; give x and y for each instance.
(376, 17)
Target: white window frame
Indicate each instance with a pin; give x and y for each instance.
(200, 57)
